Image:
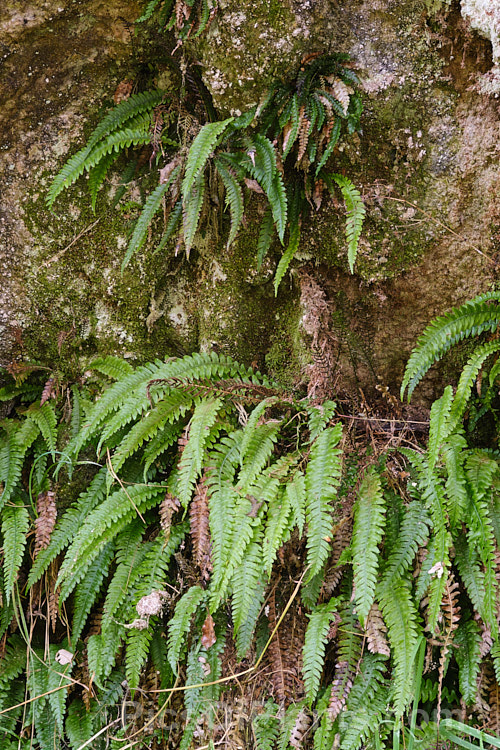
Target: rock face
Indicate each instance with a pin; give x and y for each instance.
(426, 163)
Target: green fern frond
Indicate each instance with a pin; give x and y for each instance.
(439, 427)
(471, 319)
(117, 119)
(103, 649)
(367, 535)
(413, 534)
(119, 116)
(256, 449)
(296, 494)
(180, 623)
(291, 136)
(148, 11)
(278, 528)
(65, 530)
(98, 175)
(266, 726)
(242, 532)
(334, 139)
(366, 703)
(79, 724)
(401, 620)
(247, 582)
(15, 525)
(152, 205)
(468, 656)
(201, 148)
(288, 256)
(355, 216)
(322, 479)
(100, 527)
(456, 492)
(88, 590)
(234, 199)
(45, 419)
(319, 417)
(190, 465)
(313, 653)
(162, 418)
(15, 443)
(136, 654)
(266, 233)
(129, 556)
(467, 378)
(173, 222)
(278, 202)
(191, 210)
(114, 367)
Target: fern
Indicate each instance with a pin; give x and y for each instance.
(315, 644)
(439, 427)
(88, 590)
(15, 525)
(266, 726)
(367, 535)
(366, 703)
(190, 465)
(413, 534)
(152, 205)
(247, 583)
(471, 319)
(321, 481)
(181, 621)
(100, 526)
(288, 255)
(355, 216)
(468, 657)
(200, 150)
(401, 620)
(467, 378)
(234, 199)
(16, 442)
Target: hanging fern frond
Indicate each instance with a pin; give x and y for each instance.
(15, 525)
(367, 535)
(88, 590)
(152, 205)
(100, 526)
(467, 378)
(13, 448)
(439, 427)
(471, 319)
(367, 700)
(355, 216)
(313, 654)
(468, 656)
(201, 148)
(413, 533)
(191, 462)
(181, 622)
(191, 210)
(234, 199)
(321, 481)
(401, 620)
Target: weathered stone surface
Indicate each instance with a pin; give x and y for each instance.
(426, 162)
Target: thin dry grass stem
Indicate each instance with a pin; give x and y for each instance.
(117, 478)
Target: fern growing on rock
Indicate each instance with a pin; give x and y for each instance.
(202, 503)
(281, 149)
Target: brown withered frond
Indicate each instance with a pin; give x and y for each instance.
(46, 519)
(494, 704)
(341, 687)
(300, 728)
(168, 506)
(376, 630)
(200, 529)
(285, 654)
(49, 390)
(451, 616)
(303, 139)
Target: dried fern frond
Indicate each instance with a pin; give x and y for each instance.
(46, 520)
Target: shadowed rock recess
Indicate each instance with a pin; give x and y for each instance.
(426, 163)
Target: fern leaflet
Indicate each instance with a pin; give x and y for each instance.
(313, 654)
